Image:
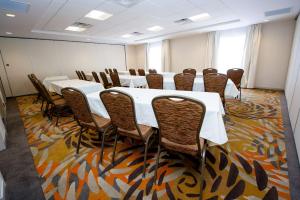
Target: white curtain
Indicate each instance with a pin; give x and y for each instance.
(210, 62)
(154, 56)
(251, 54)
(166, 56)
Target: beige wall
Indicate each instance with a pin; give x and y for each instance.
(130, 56)
(274, 54)
(189, 52)
(136, 56)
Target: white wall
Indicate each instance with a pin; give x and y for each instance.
(292, 87)
(131, 56)
(141, 56)
(49, 58)
(189, 52)
(274, 54)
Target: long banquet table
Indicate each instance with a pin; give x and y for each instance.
(48, 80)
(84, 86)
(213, 128)
(131, 81)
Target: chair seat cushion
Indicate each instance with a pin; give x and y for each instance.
(146, 131)
(188, 149)
(101, 121)
(59, 102)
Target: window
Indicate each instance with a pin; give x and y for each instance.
(230, 48)
(154, 56)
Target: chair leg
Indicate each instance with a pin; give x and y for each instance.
(157, 162)
(115, 146)
(79, 140)
(240, 94)
(145, 156)
(42, 105)
(102, 144)
(57, 120)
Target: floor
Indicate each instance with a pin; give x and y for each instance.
(26, 184)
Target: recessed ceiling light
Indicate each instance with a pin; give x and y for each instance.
(155, 28)
(199, 17)
(75, 28)
(99, 15)
(127, 36)
(266, 20)
(10, 15)
(8, 33)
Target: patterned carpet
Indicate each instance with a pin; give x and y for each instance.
(252, 165)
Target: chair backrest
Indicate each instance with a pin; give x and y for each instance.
(34, 76)
(141, 72)
(96, 77)
(121, 110)
(79, 75)
(104, 80)
(79, 105)
(152, 71)
(115, 70)
(33, 82)
(83, 76)
(110, 70)
(179, 120)
(236, 76)
(215, 82)
(132, 72)
(155, 81)
(184, 81)
(106, 71)
(190, 71)
(209, 70)
(115, 79)
(43, 91)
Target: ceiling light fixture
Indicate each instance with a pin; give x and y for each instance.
(10, 15)
(8, 33)
(266, 20)
(155, 28)
(75, 28)
(99, 15)
(126, 36)
(199, 17)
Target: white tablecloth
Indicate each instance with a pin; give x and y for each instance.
(172, 74)
(131, 81)
(230, 91)
(213, 128)
(84, 86)
(48, 80)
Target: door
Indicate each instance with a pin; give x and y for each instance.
(4, 82)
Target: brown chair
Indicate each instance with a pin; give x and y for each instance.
(152, 71)
(132, 72)
(209, 70)
(115, 79)
(121, 110)
(179, 121)
(83, 76)
(79, 75)
(215, 82)
(54, 107)
(83, 115)
(184, 81)
(106, 71)
(236, 76)
(155, 81)
(141, 72)
(115, 70)
(105, 82)
(37, 89)
(190, 71)
(110, 70)
(96, 77)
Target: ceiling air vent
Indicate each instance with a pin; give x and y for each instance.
(136, 33)
(82, 25)
(183, 21)
(278, 12)
(127, 3)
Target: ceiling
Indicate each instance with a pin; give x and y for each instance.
(48, 19)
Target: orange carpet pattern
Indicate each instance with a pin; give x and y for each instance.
(252, 165)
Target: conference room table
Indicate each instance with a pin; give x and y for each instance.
(48, 80)
(231, 90)
(84, 86)
(213, 128)
(131, 81)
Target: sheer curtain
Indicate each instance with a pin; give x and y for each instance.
(154, 56)
(165, 56)
(251, 54)
(230, 48)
